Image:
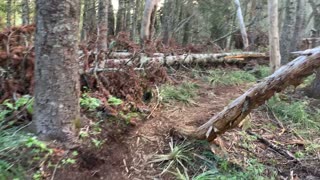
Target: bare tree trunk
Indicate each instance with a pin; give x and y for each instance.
(89, 19)
(242, 25)
(315, 86)
(233, 115)
(187, 28)
(135, 19)
(25, 12)
(148, 19)
(9, 12)
(14, 13)
(169, 7)
(127, 14)
(275, 58)
(111, 21)
(131, 13)
(299, 24)
(121, 16)
(57, 89)
(103, 26)
(287, 30)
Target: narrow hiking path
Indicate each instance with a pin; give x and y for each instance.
(128, 155)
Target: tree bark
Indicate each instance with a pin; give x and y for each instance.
(299, 24)
(146, 24)
(9, 12)
(290, 74)
(160, 58)
(169, 8)
(135, 19)
(103, 26)
(287, 30)
(315, 86)
(242, 25)
(121, 16)
(57, 110)
(89, 20)
(25, 12)
(275, 58)
(111, 21)
(186, 31)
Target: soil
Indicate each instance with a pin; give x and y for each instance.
(126, 155)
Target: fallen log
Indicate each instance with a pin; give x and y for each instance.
(291, 74)
(189, 58)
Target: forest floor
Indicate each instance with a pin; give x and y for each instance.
(150, 149)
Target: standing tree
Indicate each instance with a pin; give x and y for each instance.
(103, 26)
(275, 58)
(111, 25)
(148, 19)
(287, 30)
(57, 89)
(121, 16)
(9, 11)
(135, 19)
(315, 86)
(242, 25)
(25, 12)
(89, 25)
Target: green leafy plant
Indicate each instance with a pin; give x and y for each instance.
(89, 103)
(20, 152)
(8, 106)
(114, 101)
(183, 93)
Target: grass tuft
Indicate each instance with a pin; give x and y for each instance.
(182, 93)
(220, 77)
(262, 71)
(295, 112)
(178, 157)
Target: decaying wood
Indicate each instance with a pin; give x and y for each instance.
(186, 58)
(291, 74)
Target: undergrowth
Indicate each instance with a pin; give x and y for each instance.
(183, 162)
(183, 93)
(297, 113)
(21, 154)
(221, 77)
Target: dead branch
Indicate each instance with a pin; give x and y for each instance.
(277, 149)
(291, 74)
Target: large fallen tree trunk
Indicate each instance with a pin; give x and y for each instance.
(126, 55)
(187, 58)
(291, 74)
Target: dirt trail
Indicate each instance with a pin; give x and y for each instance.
(127, 157)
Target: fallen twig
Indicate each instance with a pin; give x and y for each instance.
(283, 152)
